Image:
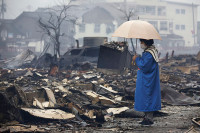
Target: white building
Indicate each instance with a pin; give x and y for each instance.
(175, 21)
(184, 21)
(97, 22)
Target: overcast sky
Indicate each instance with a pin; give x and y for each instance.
(16, 7)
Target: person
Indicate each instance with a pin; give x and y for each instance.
(172, 56)
(166, 57)
(148, 92)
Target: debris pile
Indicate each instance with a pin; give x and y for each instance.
(121, 46)
(26, 59)
(114, 56)
(66, 99)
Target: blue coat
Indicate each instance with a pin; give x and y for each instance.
(147, 93)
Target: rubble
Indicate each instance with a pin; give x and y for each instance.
(79, 57)
(196, 121)
(172, 97)
(22, 128)
(11, 99)
(115, 56)
(26, 59)
(198, 56)
(117, 110)
(79, 98)
(49, 113)
(44, 61)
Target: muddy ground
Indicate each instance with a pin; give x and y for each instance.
(171, 119)
(177, 120)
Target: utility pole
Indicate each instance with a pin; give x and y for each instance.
(3, 9)
(193, 22)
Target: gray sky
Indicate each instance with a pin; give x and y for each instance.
(16, 7)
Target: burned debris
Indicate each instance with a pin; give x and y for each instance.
(26, 59)
(115, 56)
(79, 56)
(65, 99)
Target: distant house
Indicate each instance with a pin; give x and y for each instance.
(175, 21)
(12, 40)
(24, 33)
(27, 23)
(8, 30)
(20, 34)
(97, 22)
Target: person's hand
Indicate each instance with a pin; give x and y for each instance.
(134, 57)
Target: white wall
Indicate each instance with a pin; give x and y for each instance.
(183, 19)
(39, 45)
(89, 32)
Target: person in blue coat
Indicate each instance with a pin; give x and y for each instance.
(148, 92)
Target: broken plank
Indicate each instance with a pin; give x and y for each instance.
(99, 98)
(117, 110)
(49, 113)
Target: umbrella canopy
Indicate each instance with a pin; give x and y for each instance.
(137, 29)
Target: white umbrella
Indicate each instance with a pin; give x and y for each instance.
(137, 29)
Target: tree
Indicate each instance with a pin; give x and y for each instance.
(128, 14)
(53, 24)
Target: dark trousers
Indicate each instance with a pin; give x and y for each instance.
(148, 115)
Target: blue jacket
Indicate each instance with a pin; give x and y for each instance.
(148, 92)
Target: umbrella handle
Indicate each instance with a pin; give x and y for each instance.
(133, 63)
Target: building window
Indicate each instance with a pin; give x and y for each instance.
(151, 10)
(154, 23)
(97, 28)
(82, 28)
(182, 11)
(10, 35)
(182, 27)
(110, 28)
(18, 36)
(177, 11)
(163, 25)
(141, 10)
(161, 11)
(177, 27)
(146, 10)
